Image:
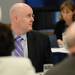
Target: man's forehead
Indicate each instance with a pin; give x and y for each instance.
(20, 6)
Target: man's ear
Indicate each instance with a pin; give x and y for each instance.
(15, 17)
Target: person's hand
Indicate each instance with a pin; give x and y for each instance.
(60, 43)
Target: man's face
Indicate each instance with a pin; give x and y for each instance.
(25, 20)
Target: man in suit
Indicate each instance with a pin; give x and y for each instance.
(12, 65)
(67, 67)
(36, 46)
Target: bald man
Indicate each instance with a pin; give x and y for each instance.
(36, 46)
(67, 67)
(12, 65)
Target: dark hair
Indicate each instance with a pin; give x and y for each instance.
(6, 40)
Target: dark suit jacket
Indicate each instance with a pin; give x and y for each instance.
(67, 67)
(39, 50)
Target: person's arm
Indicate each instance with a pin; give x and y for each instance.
(59, 29)
(60, 43)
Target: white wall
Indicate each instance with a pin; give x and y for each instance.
(5, 6)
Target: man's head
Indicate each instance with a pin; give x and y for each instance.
(6, 40)
(69, 38)
(21, 16)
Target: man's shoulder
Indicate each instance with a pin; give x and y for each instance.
(57, 69)
(64, 64)
(64, 68)
(38, 33)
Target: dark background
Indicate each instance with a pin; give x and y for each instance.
(45, 12)
(51, 4)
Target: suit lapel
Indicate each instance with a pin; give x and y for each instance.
(31, 44)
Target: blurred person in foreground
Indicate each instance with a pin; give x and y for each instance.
(67, 67)
(11, 65)
(67, 11)
(35, 45)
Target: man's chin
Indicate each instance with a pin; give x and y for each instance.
(30, 29)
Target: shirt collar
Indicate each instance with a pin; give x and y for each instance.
(23, 36)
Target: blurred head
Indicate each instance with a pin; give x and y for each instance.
(6, 40)
(69, 38)
(67, 9)
(21, 16)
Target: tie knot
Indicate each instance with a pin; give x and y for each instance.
(18, 38)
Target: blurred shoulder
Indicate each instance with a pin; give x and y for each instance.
(15, 60)
(16, 66)
(60, 25)
(60, 22)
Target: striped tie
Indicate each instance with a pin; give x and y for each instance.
(19, 50)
